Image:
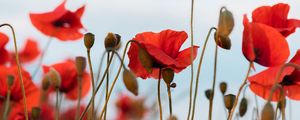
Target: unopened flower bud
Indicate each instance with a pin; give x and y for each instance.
(229, 101)
(223, 41)
(267, 112)
(35, 113)
(208, 93)
(145, 60)
(130, 81)
(80, 65)
(168, 75)
(243, 107)
(89, 39)
(46, 82)
(10, 80)
(223, 87)
(112, 41)
(54, 77)
(225, 27)
(173, 85)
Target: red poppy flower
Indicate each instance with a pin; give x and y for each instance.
(164, 48)
(263, 44)
(70, 114)
(17, 113)
(68, 74)
(129, 108)
(29, 52)
(3, 52)
(276, 16)
(262, 82)
(16, 92)
(60, 23)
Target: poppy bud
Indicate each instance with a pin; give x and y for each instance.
(80, 65)
(89, 39)
(243, 107)
(172, 118)
(223, 87)
(10, 80)
(46, 82)
(229, 101)
(35, 113)
(54, 77)
(168, 75)
(112, 41)
(267, 112)
(130, 81)
(146, 60)
(225, 26)
(208, 93)
(173, 85)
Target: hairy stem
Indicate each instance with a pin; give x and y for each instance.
(211, 100)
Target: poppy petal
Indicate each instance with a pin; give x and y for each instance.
(171, 41)
(86, 85)
(30, 52)
(184, 57)
(264, 91)
(79, 12)
(293, 91)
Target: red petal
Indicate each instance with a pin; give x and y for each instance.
(264, 91)
(248, 47)
(293, 91)
(184, 58)
(80, 11)
(30, 52)
(86, 84)
(3, 40)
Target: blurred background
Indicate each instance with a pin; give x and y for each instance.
(129, 17)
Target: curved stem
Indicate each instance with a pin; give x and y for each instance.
(158, 96)
(107, 85)
(100, 66)
(19, 69)
(105, 72)
(192, 56)
(42, 57)
(170, 99)
(79, 78)
(198, 72)
(211, 100)
(93, 83)
(239, 92)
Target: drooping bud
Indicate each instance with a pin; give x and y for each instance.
(267, 112)
(145, 60)
(10, 80)
(54, 77)
(223, 87)
(229, 101)
(130, 81)
(46, 82)
(243, 107)
(35, 113)
(112, 41)
(168, 75)
(80, 65)
(208, 93)
(225, 27)
(89, 39)
(173, 85)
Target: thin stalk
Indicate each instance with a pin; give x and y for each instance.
(79, 79)
(41, 58)
(192, 56)
(7, 104)
(107, 85)
(100, 66)
(93, 83)
(105, 72)
(19, 69)
(211, 100)
(170, 99)
(199, 70)
(158, 96)
(57, 104)
(239, 92)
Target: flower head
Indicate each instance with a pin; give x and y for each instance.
(262, 82)
(3, 52)
(163, 48)
(60, 23)
(29, 52)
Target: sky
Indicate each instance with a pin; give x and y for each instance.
(129, 17)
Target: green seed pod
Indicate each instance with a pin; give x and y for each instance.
(229, 101)
(243, 107)
(54, 77)
(112, 41)
(267, 112)
(208, 93)
(223, 87)
(80, 65)
(168, 75)
(130, 81)
(46, 82)
(89, 39)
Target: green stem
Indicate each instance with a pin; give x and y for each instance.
(239, 92)
(19, 69)
(79, 78)
(199, 71)
(158, 96)
(211, 100)
(107, 85)
(170, 99)
(93, 83)
(7, 104)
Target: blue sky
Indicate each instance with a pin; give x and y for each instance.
(129, 17)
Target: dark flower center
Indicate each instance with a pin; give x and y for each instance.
(287, 81)
(61, 23)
